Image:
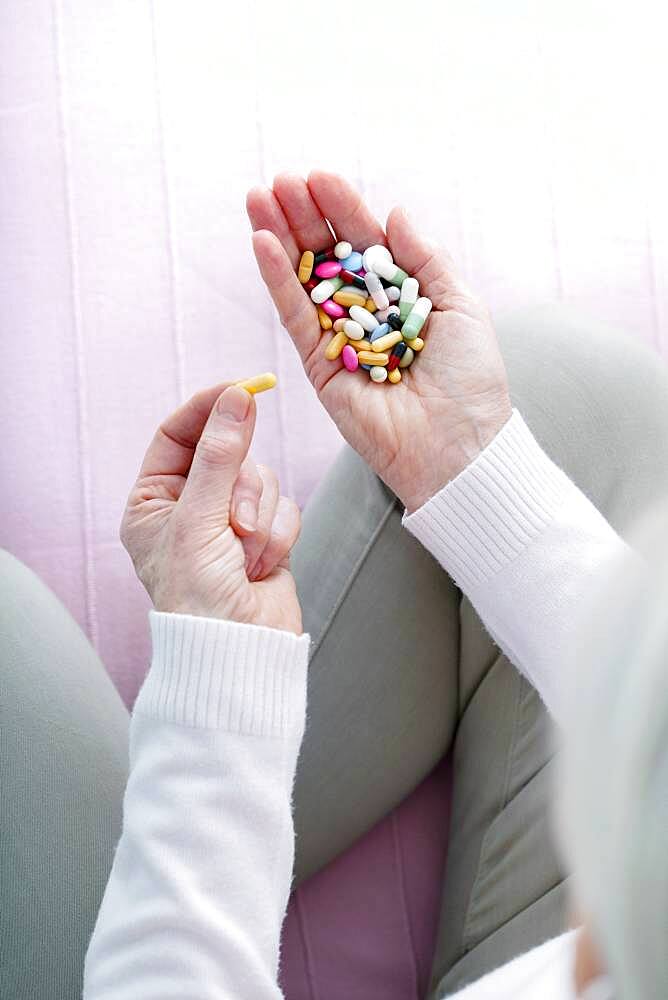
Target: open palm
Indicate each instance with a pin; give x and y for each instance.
(419, 434)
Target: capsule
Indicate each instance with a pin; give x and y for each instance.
(394, 319)
(324, 320)
(383, 314)
(407, 358)
(387, 342)
(350, 358)
(328, 269)
(394, 375)
(397, 354)
(335, 346)
(393, 293)
(333, 309)
(388, 269)
(370, 305)
(373, 254)
(324, 255)
(371, 358)
(258, 383)
(353, 329)
(339, 324)
(343, 249)
(349, 296)
(366, 319)
(417, 343)
(378, 374)
(306, 266)
(353, 279)
(416, 318)
(409, 296)
(352, 262)
(311, 284)
(381, 330)
(325, 289)
(376, 290)
(361, 345)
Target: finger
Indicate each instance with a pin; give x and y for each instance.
(246, 499)
(297, 312)
(255, 544)
(218, 458)
(173, 446)
(423, 259)
(265, 212)
(304, 217)
(284, 533)
(339, 202)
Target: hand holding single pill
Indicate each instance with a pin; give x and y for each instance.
(417, 434)
(207, 529)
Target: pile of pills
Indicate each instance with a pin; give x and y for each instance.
(373, 307)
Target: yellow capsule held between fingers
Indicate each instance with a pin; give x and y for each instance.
(325, 319)
(306, 266)
(349, 298)
(387, 342)
(335, 346)
(258, 383)
(371, 358)
(417, 343)
(394, 376)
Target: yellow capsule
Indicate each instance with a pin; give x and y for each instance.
(338, 324)
(370, 305)
(417, 343)
(306, 266)
(371, 358)
(335, 346)
(349, 298)
(394, 376)
(387, 342)
(361, 345)
(325, 320)
(258, 383)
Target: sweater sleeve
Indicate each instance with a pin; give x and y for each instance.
(528, 549)
(201, 876)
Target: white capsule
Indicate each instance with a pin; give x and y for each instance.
(353, 330)
(325, 289)
(365, 319)
(343, 249)
(407, 357)
(374, 253)
(382, 315)
(409, 295)
(376, 290)
(378, 374)
(393, 293)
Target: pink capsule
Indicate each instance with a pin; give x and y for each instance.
(349, 356)
(333, 309)
(328, 269)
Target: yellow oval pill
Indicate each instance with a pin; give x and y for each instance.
(339, 324)
(349, 298)
(306, 266)
(394, 376)
(258, 383)
(325, 319)
(417, 343)
(387, 342)
(371, 358)
(361, 345)
(335, 346)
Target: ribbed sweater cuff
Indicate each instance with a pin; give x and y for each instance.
(217, 674)
(482, 520)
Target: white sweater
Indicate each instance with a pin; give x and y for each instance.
(200, 881)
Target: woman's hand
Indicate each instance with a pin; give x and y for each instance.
(419, 434)
(206, 529)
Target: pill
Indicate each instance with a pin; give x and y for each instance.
(338, 325)
(343, 249)
(352, 262)
(323, 255)
(328, 269)
(417, 343)
(394, 375)
(387, 342)
(333, 309)
(380, 331)
(324, 319)
(325, 289)
(366, 319)
(378, 374)
(388, 269)
(353, 279)
(335, 346)
(353, 329)
(311, 284)
(306, 266)
(349, 296)
(394, 319)
(367, 368)
(350, 358)
(407, 358)
(361, 345)
(409, 296)
(383, 314)
(370, 305)
(258, 383)
(393, 293)
(416, 318)
(371, 358)
(397, 354)
(376, 290)
(373, 254)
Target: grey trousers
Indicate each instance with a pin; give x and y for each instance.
(402, 671)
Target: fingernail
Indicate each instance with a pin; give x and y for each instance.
(246, 515)
(234, 403)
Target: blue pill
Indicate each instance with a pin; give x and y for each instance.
(353, 262)
(380, 331)
(367, 368)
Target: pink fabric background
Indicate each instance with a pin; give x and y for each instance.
(531, 144)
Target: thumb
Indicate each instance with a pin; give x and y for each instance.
(221, 449)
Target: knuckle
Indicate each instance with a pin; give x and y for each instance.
(215, 450)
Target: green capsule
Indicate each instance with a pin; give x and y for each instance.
(416, 318)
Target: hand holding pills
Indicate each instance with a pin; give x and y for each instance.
(207, 529)
(417, 434)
